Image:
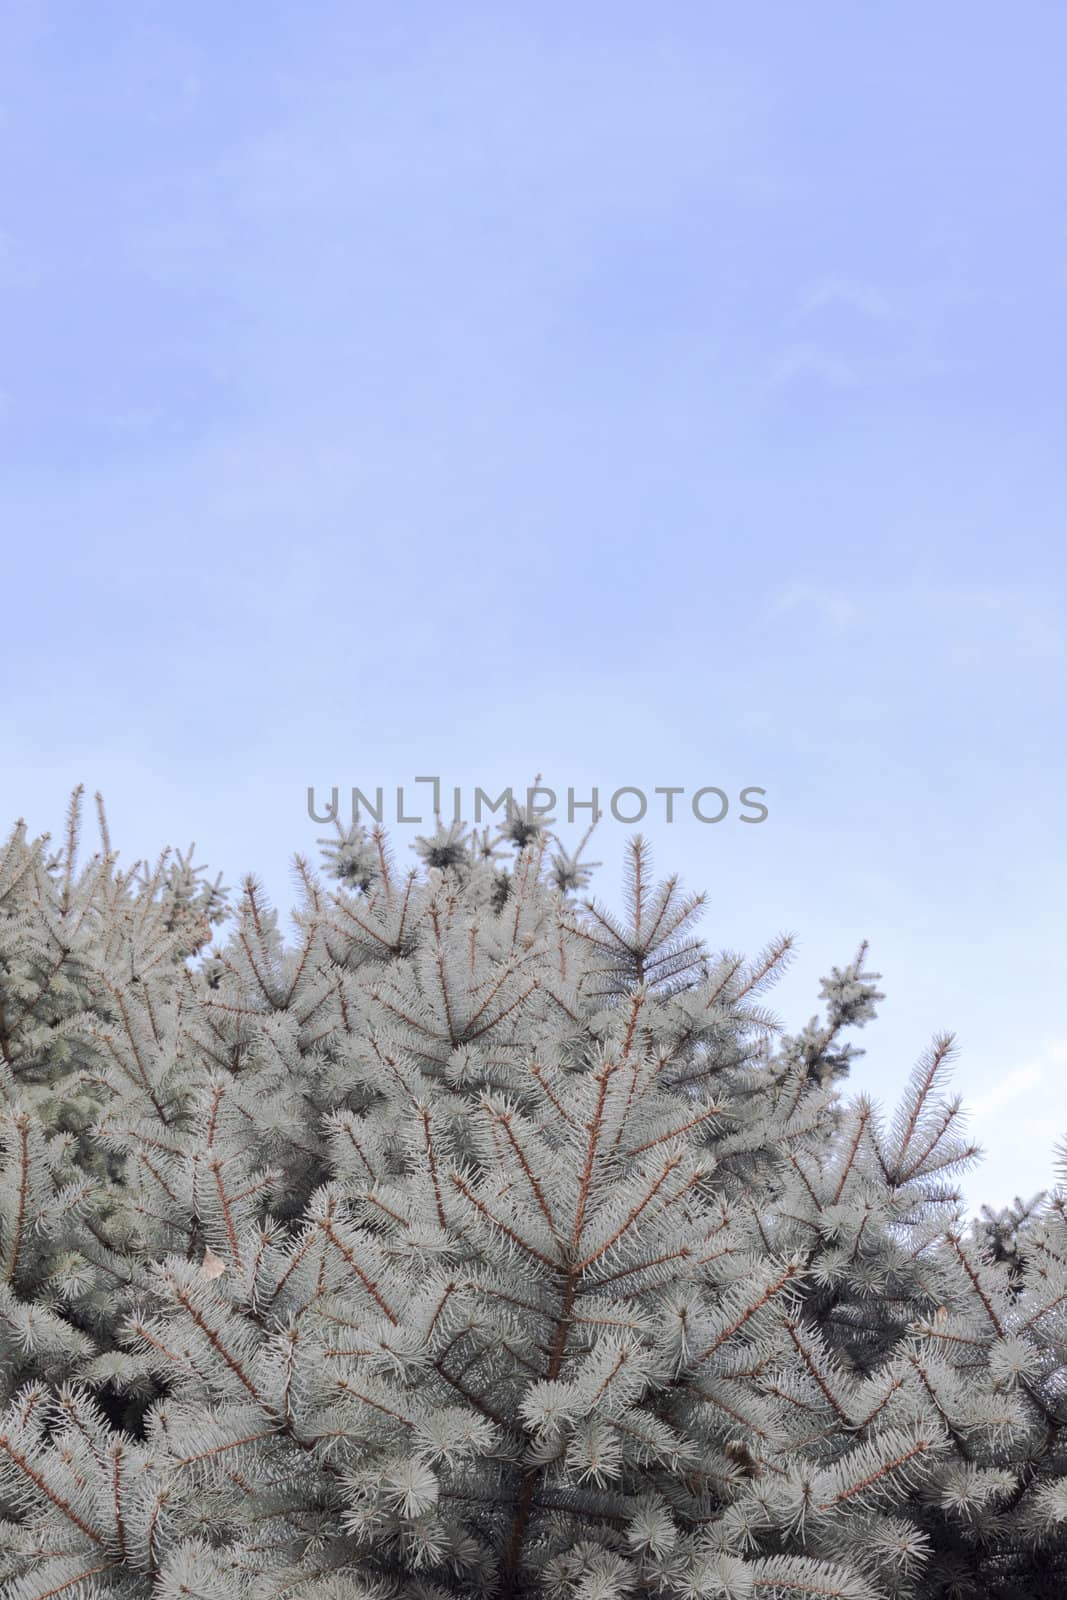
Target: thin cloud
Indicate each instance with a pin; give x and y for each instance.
(809, 361)
(997, 624)
(1023, 1080)
(851, 293)
(831, 605)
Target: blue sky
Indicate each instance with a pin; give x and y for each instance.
(634, 394)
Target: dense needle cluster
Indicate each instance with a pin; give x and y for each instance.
(481, 1242)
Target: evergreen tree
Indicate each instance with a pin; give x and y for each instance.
(479, 1241)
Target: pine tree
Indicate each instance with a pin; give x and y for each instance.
(481, 1241)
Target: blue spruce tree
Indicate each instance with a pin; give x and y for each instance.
(480, 1241)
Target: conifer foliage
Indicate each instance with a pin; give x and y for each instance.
(480, 1241)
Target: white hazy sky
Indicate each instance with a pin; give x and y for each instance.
(637, 394)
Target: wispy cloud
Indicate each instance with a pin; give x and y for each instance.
(987, 625)
(975, 627)
(811, 361)
(1041, 1073)
(1016, 1083)
(1019, 1121)
(851, 293)
(831, 605)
